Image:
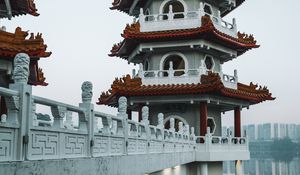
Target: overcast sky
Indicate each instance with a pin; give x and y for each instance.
(81, 33)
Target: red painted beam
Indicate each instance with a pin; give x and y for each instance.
(203, 118)
(237, 122)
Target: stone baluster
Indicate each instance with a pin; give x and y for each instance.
(160, 118)
(201, 10)
(234, 25)
(180, 127)
(160, 124)
(20, 108)
(192, 136)
(172, 124)
(171, 70)
(208, 139)
(235, 76)
(141, 71)
(133, 73)
(187, 130)
(58, 113)
(170, 14)
(142, 16)
(87, 120)
(219, 15)
(123, 126)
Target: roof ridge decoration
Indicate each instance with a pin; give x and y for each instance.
(210, 83)
(13, 43)
(207, 30)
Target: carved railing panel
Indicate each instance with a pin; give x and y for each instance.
(7, 144)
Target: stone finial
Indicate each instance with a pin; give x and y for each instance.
(180, 127)
(172, 124)
(3, 118)
(145, 115)
(122, 105)
(21, 68)
(187, 130)
(86, 92)
(160, 117)
(193, 132)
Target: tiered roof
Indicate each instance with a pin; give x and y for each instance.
(210, 84)
(19, 7)
(13, 43)
(124, 6)
(133, 36)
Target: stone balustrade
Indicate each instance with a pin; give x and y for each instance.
(183, 76)
(184, 20)
(23, 138)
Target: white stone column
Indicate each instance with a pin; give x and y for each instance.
(21, 106)
(88, 118)
(203, 169)
(122, 113)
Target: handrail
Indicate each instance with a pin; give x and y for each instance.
(49, 102)
(8, 92)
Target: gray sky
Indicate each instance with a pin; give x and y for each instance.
(80, 35)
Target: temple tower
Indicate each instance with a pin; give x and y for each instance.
(19, 41)
(180, 47)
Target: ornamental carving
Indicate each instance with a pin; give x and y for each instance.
(246, 38)
(87, 92)
(145, 113)
(160, 117)
(122, 105)
(21, 68)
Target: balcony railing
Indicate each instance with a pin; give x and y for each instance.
(184, 20)
(183, 76)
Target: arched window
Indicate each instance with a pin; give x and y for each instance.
(211, 124)
(178, 64)
(177, 8)
(209, 62)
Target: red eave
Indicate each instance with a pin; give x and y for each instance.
(132, 36)
(13, 43)
(210, 84)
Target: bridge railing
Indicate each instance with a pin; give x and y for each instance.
(23, 136)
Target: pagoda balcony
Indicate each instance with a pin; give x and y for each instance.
(184, 20)
(183, 76)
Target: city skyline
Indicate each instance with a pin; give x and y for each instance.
(80, 43)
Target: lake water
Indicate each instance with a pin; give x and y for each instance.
(257, 166)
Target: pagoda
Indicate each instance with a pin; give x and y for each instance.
(20, 42)
(180, 47)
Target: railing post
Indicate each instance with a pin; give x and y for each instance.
(145, 121)
(160, 125)
(142, 16)
(88, 117)
(141, 72)
(234, 25)
(171, 70)
(208, 139)
(21, 107)
(170, 14)
(201, 10)
(235, 76)
(122, 113)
